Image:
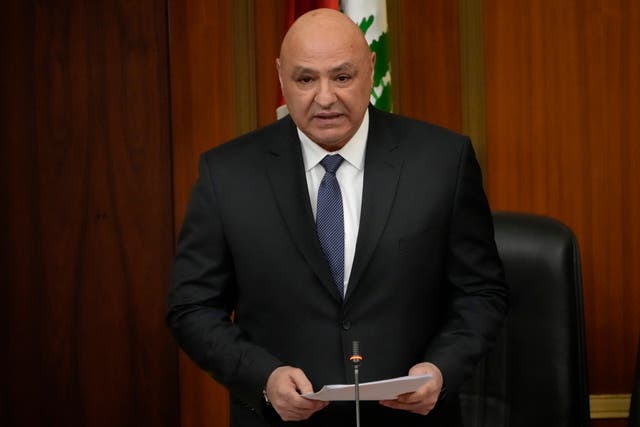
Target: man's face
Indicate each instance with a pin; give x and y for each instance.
(326, 82)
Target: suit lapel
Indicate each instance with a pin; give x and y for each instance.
(285, 169)
(383, 165)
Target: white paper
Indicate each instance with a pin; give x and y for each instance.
(375, 390)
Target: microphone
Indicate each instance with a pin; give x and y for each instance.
(355, 359)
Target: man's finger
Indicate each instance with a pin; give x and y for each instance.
(302, 383)
(283, 390)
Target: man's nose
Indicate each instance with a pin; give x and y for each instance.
(325, 96)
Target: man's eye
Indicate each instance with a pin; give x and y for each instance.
(343, 78)
(305, 79)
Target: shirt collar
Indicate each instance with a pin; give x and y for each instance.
(352, 151)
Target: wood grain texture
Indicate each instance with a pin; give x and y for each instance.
(87, 193)
(244, 66)
(429, 62)
(562, 137)
(270, 27)
(201, 92)
(202, 117)
(472, 75)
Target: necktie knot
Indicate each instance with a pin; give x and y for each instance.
(331, 162)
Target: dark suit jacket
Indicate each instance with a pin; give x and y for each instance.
(426, 283)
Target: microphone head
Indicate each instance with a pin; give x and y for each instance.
(356, 357)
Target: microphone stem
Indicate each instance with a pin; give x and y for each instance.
(357, 387)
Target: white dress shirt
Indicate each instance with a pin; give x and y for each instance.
(350, 177)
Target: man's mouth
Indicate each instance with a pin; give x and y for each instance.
(327, 116)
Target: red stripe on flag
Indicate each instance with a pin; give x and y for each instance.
(295, 8)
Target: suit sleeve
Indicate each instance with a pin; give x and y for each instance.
(203, 297)
(479, 295)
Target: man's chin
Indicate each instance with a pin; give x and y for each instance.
(328, 143)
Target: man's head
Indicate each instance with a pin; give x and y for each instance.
(326, 74)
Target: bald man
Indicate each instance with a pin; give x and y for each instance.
(268, 302)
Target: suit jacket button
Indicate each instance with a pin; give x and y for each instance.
(346, 325)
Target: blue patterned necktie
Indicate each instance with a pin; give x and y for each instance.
(330, 219)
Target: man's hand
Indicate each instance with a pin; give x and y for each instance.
(284, 387)
(423, 400)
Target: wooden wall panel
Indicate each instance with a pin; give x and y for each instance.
(269, 30)
(20, 258)
(201, 89)
(87, 214)
(428, 58)
(562, 110)
(201, 107)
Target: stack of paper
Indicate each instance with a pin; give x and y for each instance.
(375, 390)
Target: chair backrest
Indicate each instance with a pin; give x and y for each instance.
(536, 375)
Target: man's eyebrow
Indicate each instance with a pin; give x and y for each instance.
(302, 70)
(347, 66)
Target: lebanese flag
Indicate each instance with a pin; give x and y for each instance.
(371, 17)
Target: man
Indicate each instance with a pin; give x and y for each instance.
(410, 270)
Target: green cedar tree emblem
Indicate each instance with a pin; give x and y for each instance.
(381, 92)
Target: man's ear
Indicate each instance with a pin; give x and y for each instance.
(373, 65)
(279, 71)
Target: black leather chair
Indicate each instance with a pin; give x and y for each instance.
(634, 409)
(536, 375)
